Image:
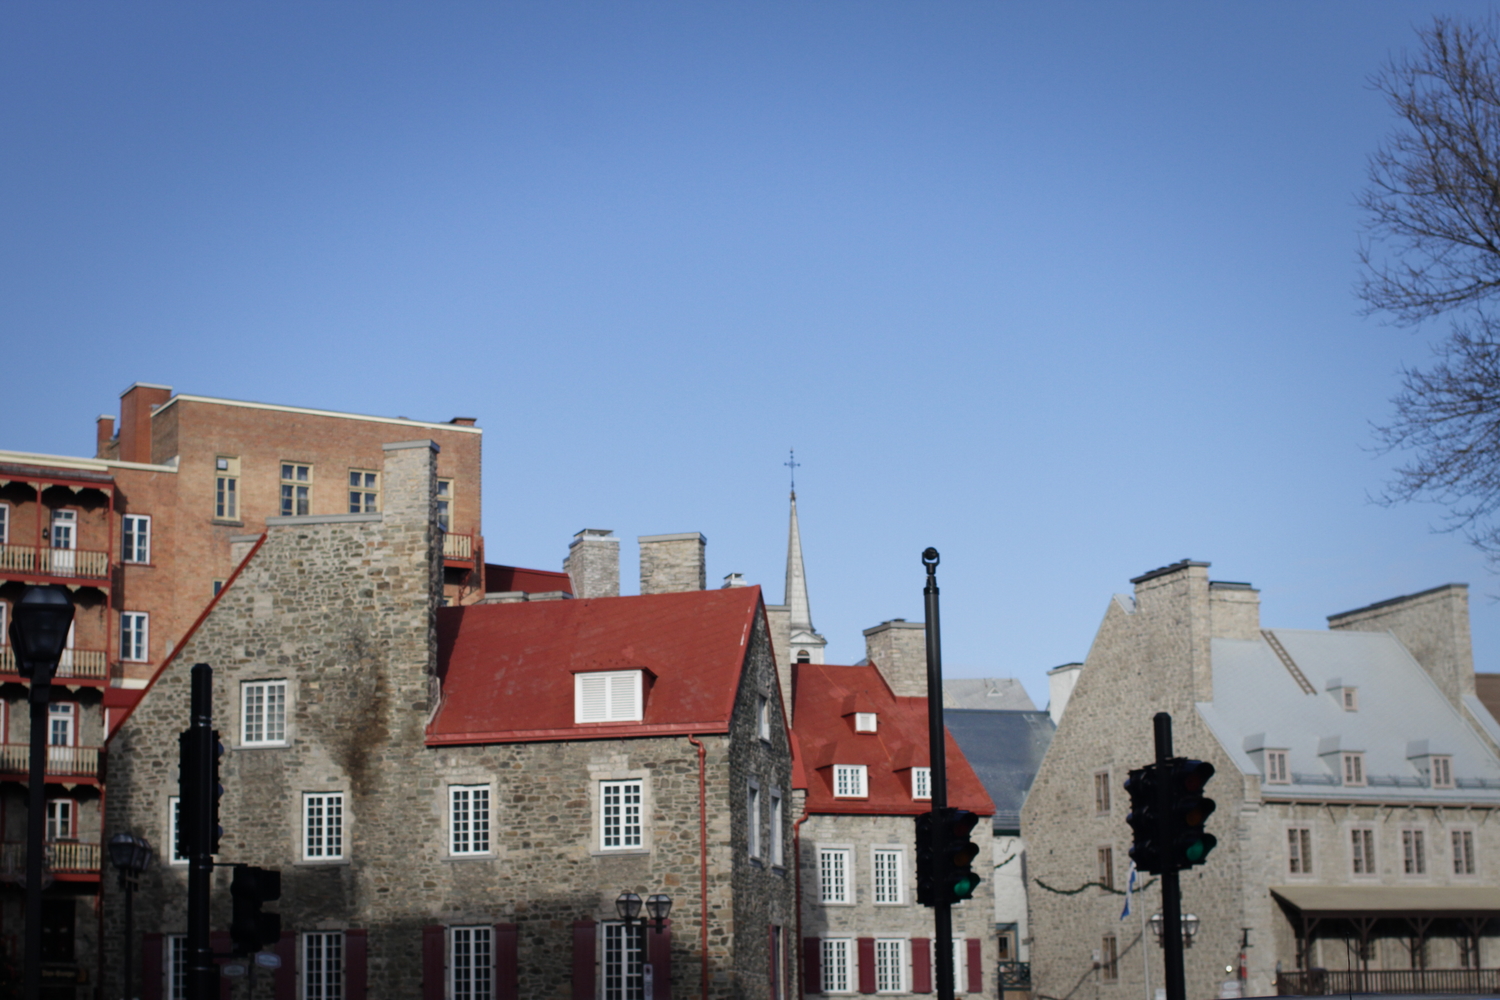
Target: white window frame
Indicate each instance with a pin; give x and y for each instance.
(836, 876)
(135, 636)
(1277, 772)
(752, 819)
(1441, 770)
(622, 961)
(763, 718)
(622, 814)
(1349, 699)
(471, 962)
(62, 819)
(261, 695)
(850, 781)
(174, 816)
(1413, 852)
(891, 962)
(4, 523)
(606, 686)
(921, 784)
(1353, 769)
(364, 491)
(174, 967)
(65, 712)
(443, 493)
(888, 875)
(1363, 852)
(295, 495)
(135, 538)
(4, 621)
(839, 965)
(226, 488)
(1461, 844)
(1299, 851)
(470, 820)
(778, 842)
(323, 822)
(322, 971)
(866, 722)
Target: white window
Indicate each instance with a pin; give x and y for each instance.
(607, 697)
(849, 781)
(62, 724)
(1463, 852)
(296, 489)
(778, 852)
(838, 965)
(865, 722)
(4, 622)
(763, 718)
(1442, 771)
(174, 818)
(136, 544)
(227, 488)
(833, 875)
(890, 965)
(622, 962)
(888, 875)
(323, 966)
(263, 713)
(1101, 792)
(468, 819)
(62, 819)
(1350, 699)
(4, 524)
(471, 963)
(445, 504)
(135, 636)
(364, 491)
(1299, 850)
(921, 782)
(1276, 772)
(1362, 851)
(175, 972)
(1354, 769)
(752, 820)
(322, 825)
(1413, 852)
(620, 814)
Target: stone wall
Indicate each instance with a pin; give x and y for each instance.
(593, 563)
(899, 649)
(1434, 627)
(673, 563)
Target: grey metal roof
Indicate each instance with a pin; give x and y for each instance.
(1259, 703)
(1005, 748)
(990, 693)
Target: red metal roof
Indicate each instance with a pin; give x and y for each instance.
(501, 579)
(507, 669)
(826, 697)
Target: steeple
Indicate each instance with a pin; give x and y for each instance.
(804, 644)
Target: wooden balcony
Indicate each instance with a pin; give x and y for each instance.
(63, 857)
(62, 762)
(76, 664)
(28, 560)
(458, 549)
(1321, 982)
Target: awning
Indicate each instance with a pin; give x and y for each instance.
(1390, 900)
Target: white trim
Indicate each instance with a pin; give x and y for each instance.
(265, 722)
(843, 869)
(848, 954)
(335, 967)
(902, 948)
(126, 551)
(477, 826)
(71, 462)
(331, 825)
(861, 780)
(879, 852)
(174, 811)
(481, 961)
(627, 811)
(315, 413)
(608, 710)
(752, 818)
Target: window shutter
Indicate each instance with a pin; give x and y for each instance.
(812, 965)
(507, 979)
(584, 937)
(285, 978)
(152, 946)
(659, 954)
(921, 965)
(356, 964)
(866, 965)
(434, 962)
(976, 966)
(622, 696)
(221, 943)
(591, 698)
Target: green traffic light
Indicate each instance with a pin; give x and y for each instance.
(1198, 849)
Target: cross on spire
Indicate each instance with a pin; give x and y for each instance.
(792, 463)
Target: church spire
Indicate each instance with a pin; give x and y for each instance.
(796, 577)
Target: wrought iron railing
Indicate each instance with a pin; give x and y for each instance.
(1014, 975)
(458, 546)
(76, 663)
(80, 563)
(1321, 982)
(15, 758)
(62, 856)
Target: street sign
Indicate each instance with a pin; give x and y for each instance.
(268, 960)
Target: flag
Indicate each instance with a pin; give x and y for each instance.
(1129, 888)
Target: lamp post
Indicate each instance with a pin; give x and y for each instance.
(132, 856)
(38, 633)
(658, 905)
(1189, 928)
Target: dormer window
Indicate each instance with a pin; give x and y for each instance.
(1354, 769)
(864, 722)
(1349, 698)
(1276, 770)
(613, 696)
(1442, 771)
(803, 656)
(921, 782)
(849, 781)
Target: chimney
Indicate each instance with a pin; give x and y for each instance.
(735, 580)
(136, 406)
(1233, 610)
(1060, 682)
(464, 421)
(104, 435)
(899, 648)
(593, 563)
(673, 563)
(1433, 625)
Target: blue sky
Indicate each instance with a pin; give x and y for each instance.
(1061, 289)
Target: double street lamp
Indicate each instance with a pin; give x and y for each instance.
(131, 855)
(38, 634)
(1189, 928)
(658, 906)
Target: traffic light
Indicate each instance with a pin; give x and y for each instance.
(1147, 819)
(249, 928)
(953, 877)
(1189, 809)
(199, 791)
(925, 887)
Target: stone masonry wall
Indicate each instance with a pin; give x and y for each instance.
(899, 649)
(593, 563)
(673, 563)
(1433, 625)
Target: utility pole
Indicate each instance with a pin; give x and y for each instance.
(942, 911)
(1171, 889)
(198, 787)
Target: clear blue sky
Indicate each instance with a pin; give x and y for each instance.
(1061, 289)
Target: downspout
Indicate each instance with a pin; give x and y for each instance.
(797, 859)
(702, 857)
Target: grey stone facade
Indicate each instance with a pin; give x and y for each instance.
(899, 649)
(673, 563)
(593, 563)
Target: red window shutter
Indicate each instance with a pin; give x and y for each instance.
(584, 937)
(356, 965)
(434, 962)
(507, 957)
(921, 965)
(285, 977)
(812, 965)
(976, 966)
(152, 946)
(220, 942)
(866, 965)
(659, 954)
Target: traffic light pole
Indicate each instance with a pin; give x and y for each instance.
(942, 912)
(202, 972)
(1171, 889)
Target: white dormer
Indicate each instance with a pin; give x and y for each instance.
(1347, 695)
(865, 722)
(607, 696)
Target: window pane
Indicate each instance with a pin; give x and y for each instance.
(622, 963)
(471, 962)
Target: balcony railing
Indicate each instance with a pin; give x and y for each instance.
(1321, 982)
(62, 762)
(1015, 976)
(63, 856)
(83, 664)
(458, 546)
(35, 561)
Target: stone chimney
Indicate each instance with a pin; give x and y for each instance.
(735, 580)
(104, 436)
(1060, 683)
(1176, 598)
(1233, 610)
(593, 563)
(899, 649)
(673, 563)
(1433, 625)
(136, 405)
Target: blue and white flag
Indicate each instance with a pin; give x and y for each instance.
(1129, 888)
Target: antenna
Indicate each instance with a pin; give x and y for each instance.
(792, 463)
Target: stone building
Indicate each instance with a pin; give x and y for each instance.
(1356, 779)
(456, 796)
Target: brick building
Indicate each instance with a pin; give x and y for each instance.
(456, 796)
(1357, 776)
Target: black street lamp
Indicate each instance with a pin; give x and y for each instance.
(132, 856)
(658, 905)
(38, 633)
(1189, 928)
